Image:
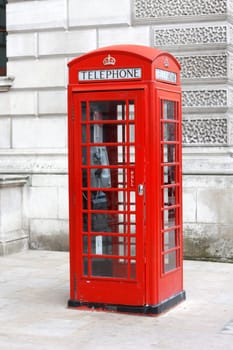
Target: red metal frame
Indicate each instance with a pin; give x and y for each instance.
(154, 86)
(105, 283)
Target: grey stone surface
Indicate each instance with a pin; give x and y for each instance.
(34, 316)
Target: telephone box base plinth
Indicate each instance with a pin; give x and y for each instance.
(138, 309)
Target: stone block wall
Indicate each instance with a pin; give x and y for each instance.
(13, 217)
(44, 35)
(199, 34)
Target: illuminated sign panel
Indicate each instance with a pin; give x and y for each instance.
(110, 74)
(165, 75)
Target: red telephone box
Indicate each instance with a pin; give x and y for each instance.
(125, 180)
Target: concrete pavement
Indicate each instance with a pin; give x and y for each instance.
(34, 289)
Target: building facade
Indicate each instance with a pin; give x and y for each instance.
(43, 36)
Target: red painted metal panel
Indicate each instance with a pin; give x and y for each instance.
(125, 233)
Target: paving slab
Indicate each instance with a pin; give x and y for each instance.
(34, 290)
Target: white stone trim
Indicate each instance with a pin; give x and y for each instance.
(13, 180)
(6, 83)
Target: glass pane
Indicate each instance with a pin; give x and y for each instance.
(169, 131)
(121, 133)
(85, 222)
(101, 222)
(107, 110)
(169, 175)
(169, 261)
(132, 197)
(84, 155)
(106, 267)
(84, 177)
(115, 223)
(133, 246)
(121, 111)
(169, 153)
(133, 269)
(109, 155)
(85, 244)
(119, 177)
(132, 154)
(169, 218)
(99, 155)
(102, 245)
(85, 266)
(169, 110)
(84, 134)
(122, 200)
(132, 228)
(111, 133)
(109, 245)
(84, 110)
(110, 200)
(169, 240)
(99, 200)
(131, 110)
(85, 200)
(131, 133)
(132, 219)
(169, 196)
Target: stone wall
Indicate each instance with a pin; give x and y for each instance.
(44, 35)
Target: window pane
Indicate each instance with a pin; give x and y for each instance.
(109, 200)
(102, 245)
(133, 246)
(169, 196)
(169, 240)
(169, 261)
(84, 177)
(101, 222)
(169, 110)
(169, 174)
(107, 110)
(169, 218)
(133, 269)
(85, 244)
(169, 153)
(84, 110)
(85, 266)
(131, 110)
(85, 222)
(84, 155)
(169, 131)
(84, 134)
(109, 245)
(106, 267)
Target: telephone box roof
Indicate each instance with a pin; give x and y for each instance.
(146, 52)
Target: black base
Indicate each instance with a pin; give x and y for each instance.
(144, 309)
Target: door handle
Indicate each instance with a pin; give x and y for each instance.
(140, 189)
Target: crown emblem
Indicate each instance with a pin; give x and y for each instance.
(166, 62)
(109, 60)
